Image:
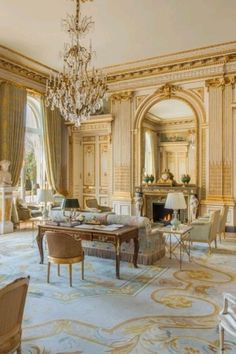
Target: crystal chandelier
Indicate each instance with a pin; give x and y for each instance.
(77, 91)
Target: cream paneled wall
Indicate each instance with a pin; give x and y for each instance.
(91, 173)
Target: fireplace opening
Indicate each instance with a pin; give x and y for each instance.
(160, 214)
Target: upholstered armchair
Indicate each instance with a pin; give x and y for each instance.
(93, 204)
(222, 223)
(227, 319)
(12, 303)
(64, 248)
(206, 230)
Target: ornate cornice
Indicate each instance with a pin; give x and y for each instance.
(22, 71)
(221, 82)
(170, 68)
(122, 96)
(202, 63)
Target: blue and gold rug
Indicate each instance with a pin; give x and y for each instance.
(152, 309)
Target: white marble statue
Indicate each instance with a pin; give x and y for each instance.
(5, 175)
(138, 205)
(193, 207)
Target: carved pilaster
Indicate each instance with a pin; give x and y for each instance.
(122, 103)
(215, 145)
(220, 137)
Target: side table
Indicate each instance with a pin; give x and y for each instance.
(180, 236)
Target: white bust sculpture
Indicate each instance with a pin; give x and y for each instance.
(193, 207)
(5, 175)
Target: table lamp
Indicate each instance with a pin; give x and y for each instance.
(70, 204)
(175, 201)
(44, 196)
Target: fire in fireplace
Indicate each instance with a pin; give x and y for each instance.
(160, 213)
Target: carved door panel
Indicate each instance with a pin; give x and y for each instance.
(92, 160)
(96, 168)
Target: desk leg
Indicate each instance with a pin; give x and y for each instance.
(189, 250)
(136, 249)
(39, 239)
(118, 259)
(180, 253)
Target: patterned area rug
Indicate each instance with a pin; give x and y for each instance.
(152, 309)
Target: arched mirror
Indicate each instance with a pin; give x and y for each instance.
(169, 140)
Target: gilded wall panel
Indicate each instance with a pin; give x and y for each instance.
(121, 178)
(227, 179)
(103, 168)
(215, 178)
(89, 164)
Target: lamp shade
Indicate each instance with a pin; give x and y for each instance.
(44, 195)
(70, 204)
(175, 201)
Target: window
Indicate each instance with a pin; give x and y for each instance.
(33, 170)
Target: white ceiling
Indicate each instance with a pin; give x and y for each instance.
(171, 109)
(125, 30)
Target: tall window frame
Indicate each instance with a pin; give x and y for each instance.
(33, 168)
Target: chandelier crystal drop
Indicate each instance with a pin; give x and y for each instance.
(77, 91)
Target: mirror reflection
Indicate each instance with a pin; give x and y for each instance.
(169, 141)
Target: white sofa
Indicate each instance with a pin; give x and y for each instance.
(151, 242)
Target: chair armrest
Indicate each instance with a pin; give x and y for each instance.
(228, 298)
(199, 222)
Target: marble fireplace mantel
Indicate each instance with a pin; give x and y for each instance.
(157, 194)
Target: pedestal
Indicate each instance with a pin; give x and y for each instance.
(6, 226)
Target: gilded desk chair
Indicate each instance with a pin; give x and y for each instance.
(92, 203)
(64, 248)
(227, 319)
(12, 303)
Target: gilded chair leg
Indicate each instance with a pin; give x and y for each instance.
(58, 269)
(70, 271)
(18, 350)
(82, 269)
(49, 264)
(221, 330)
(215, 243)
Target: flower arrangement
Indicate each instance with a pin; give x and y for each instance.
(185, 178)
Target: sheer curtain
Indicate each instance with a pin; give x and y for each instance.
(13, 100)
(55, 145)
(150, 160)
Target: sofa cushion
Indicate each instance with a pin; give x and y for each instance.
(138, 221)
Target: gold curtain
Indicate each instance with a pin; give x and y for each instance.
(13, 100)
(55, 138)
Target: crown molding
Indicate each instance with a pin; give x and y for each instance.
(206, 63)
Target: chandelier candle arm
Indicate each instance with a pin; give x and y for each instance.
(77, 91)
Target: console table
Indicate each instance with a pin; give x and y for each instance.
(125, 233)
